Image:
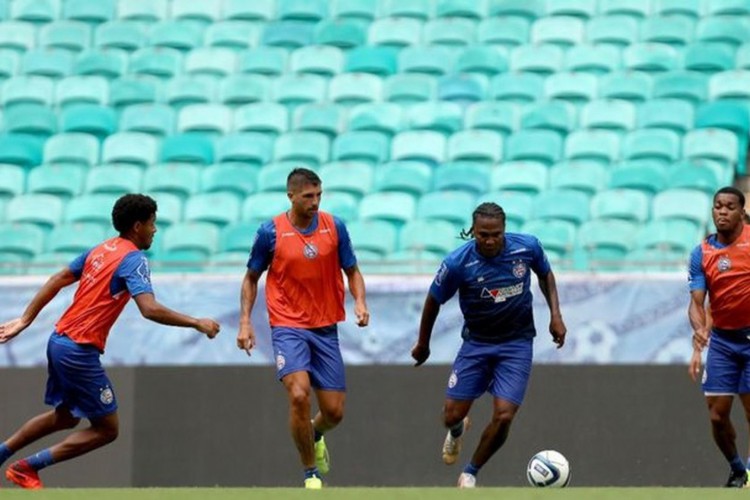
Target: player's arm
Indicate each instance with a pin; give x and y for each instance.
(421, 350)
(248, 294)
(46, 293)
(698, 318)
(152, 310)
(557, 327)
(357, 289)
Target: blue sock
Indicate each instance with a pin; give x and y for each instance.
(312, 471)
(737, 464)
(457, 429)
(40, 460)
(471, 469)
(317, 435)
(5, 453)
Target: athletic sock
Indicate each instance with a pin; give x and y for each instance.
(471, 469)
(312, 471)
(5, 453)
(737, 464)
(457, 429)
(40, 460)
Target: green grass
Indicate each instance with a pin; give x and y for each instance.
(371, 494)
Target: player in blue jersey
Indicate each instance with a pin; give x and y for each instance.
(492, 276)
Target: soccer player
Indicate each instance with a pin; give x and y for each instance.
(492, 276)
(78, 387)
(304, 251)
(720, 271)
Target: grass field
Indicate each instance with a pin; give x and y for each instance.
(372, 494)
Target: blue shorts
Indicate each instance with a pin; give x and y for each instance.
(77, 379)
(315, 351)
(727, 369)
(502, 369)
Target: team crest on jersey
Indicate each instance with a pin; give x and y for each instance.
(106, 396)
(280, 362)
(519, 269)
(724, 264)
(310, 251)
(452, 380)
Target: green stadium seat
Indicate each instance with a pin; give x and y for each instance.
(181, 91)
(160, 62)
(651, 144)
(174, 34)
(343, 205)
(450, 31)
(106, 62)
(431, 60)
(91, 119)
(609, 114)
(217, 208)
(377, 60)
(589, 177)
(671, 30)
(543, 146)
(624, 204)
(517, 87)
(224, 262)
(197, 12)
(593, 59)
(481, 146)
(233, 178)
(619, 31)
(75, 237)
(455, 207)
(76, 148)
(96, 208)
(655, 260)
(634, 8)
(395, 207)
(136, 148)
(463, 89)
(47, 263)
(82, 90)
(51, 63)
(558, 116)
(177, 179)
(539, 59)
(25, 240)
(651, 58)
(72, 36)
(733, 30)
(724, 114)
(417, 9)
(361, 145)
(576, 88)
(438, 116)
(687, 204)
(692, 9)
(350, 89)
(411, 177)
(18, 36)
(529, 177)
(211, 62)
(501, 117)
(292, 90)
(355, 10)
(429, 235)
(133, 90)
(28, 89)
(202, 237)
(62, 180)
(563, 31)
(631, 86)
(405, 262)
(697, 177)
(712, 144)
(341, 33)
(529, 9)
(482, 60)
(155, 119)
(384, 117)
(144, 11)
(503, 31)
(469, 177)
(689, 86)
(250, 10)
(556, 235)
(468, 9)
(236, 35)
(238, 237)
(673, 114)
(728, 8)
(563, 204)
(351, 177)
(730, 85)
(208, 119)
(261, 207)
(668, 234)
(602, 146)
(20, 149)
(241, 89)
(396, 32)
(245, 147)
(742, 57)
(324, 60)
(288, 35)
(516, 205)
(649, 177)
(89, 12)
(270, 61)
(421, 145)
(265, 117)
(116, 179)
(35, 11)
(584, 9)
(375, 236)
(410, 88)
(188, 148)
(603, 244)
(44, 210)
(310, 148)
(169, 208)
(9, 63)
(122, 35)
(12, 181)
(32, 119)
(302, 10)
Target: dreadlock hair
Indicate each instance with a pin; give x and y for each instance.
(301, 176)
(488, 210)
(132, 208)
(731, 190)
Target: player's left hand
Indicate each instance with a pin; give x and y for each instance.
(558, 330)
(363, 315)
(11, 329)
(420, 353)
(696, 364)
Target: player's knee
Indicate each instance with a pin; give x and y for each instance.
(334, 416)
(109, 434)
(70, 423)
(452, 416)
(503, 416)
(299, 398)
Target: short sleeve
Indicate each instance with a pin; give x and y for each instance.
(346, 251)
(445, 284)
(262, 251)
(696, 275)
(76, 265)
(540, 263)
(135, 271)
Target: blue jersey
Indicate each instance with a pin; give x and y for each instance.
(261, 254)
(494, 293)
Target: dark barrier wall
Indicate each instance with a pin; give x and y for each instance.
(201, 426)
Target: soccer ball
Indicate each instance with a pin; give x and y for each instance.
(548, 468)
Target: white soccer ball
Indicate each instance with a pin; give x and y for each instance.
(548, 469)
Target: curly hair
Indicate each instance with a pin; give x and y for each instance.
(132, 208)
(488, 210)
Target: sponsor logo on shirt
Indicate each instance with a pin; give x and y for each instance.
(502, 294)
